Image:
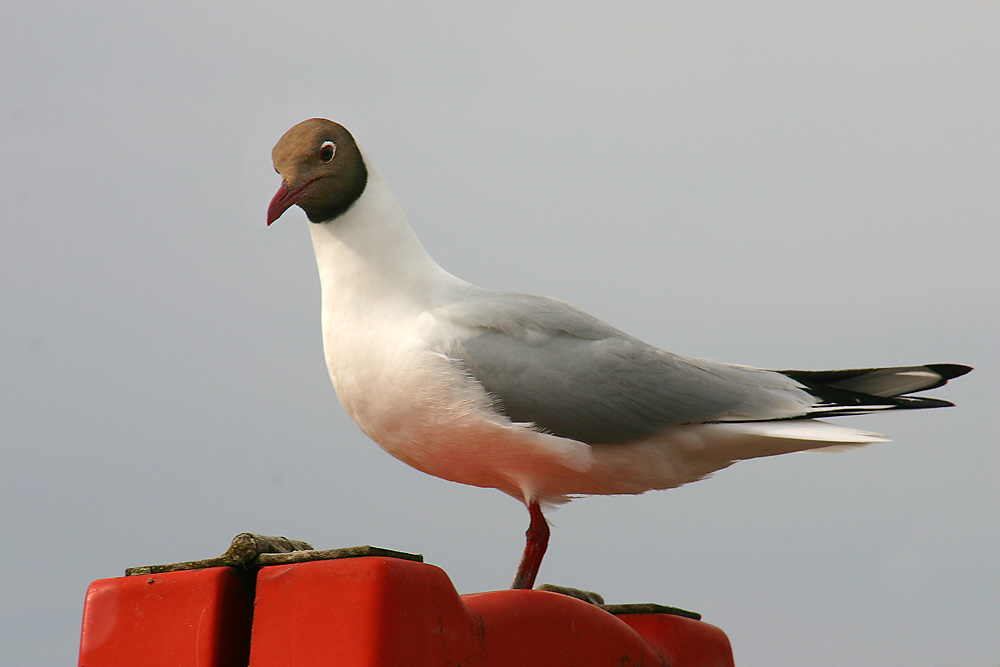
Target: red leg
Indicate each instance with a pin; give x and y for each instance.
(538, 541)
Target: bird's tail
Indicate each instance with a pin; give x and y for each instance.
(837, 393)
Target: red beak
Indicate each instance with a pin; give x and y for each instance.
(283, 200)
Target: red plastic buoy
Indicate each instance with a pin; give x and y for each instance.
(371, 612)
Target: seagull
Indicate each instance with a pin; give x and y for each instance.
(527, 394)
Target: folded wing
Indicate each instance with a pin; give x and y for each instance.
(572, 375)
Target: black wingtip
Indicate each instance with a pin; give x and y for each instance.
(949, 371)
(921, 402)
(847, 392)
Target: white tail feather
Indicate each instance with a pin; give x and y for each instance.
(810, 430)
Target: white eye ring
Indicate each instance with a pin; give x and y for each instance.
(327, 150)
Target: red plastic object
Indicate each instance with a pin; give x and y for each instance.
(385, 612)
(198, 617)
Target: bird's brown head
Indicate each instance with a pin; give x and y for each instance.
(321, 170)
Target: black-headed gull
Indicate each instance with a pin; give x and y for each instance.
(527, 394)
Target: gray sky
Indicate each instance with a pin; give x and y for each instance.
(786, 185)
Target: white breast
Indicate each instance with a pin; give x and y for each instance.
(384, 350)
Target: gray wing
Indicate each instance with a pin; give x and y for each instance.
(572, 375)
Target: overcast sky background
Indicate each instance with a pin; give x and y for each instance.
(785, 185)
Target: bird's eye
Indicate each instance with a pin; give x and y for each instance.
(327, 150)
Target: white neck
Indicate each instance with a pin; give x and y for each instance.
(370, 258)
